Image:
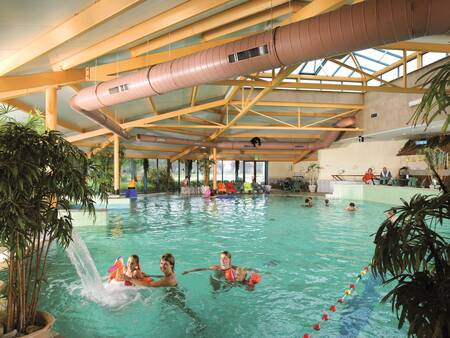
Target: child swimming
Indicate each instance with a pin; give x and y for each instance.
(231, 273)
(241, 276)
(120, 273)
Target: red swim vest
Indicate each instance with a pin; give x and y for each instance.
(147, 279)
(230, 274)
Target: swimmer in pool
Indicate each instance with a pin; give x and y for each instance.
(167, 266)
(351, 207)
(308, 202)
(224, 266)
(119, 272)
(229, 271)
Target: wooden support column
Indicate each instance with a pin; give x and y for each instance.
(51, 113)
(215, 168)
(405, 72)
(116, 165)
(419, 60)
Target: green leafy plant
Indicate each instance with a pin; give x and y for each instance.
(104, 161)
(436, 100)
(412, 251)
(160, 179)
(41, 174)
(313, 172)
(205, 166)
(5, 109)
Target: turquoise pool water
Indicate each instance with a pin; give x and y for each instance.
(308, 256)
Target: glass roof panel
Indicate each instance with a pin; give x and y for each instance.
(310, 67)
(432, 57)
(328, 68)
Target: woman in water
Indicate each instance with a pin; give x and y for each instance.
(167, 266)
(225, 266)
(131, 270)
(231, 273)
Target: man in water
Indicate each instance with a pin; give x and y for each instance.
(174, 296)
(351, 207)
(167, 266)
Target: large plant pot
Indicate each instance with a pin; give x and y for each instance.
(312, 188)
(43, 318)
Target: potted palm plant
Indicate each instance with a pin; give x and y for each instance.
(412, 253)
(313, 172)
(41, 174)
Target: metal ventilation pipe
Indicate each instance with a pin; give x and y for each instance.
(349, 28)
(101, 119)
(329, 138)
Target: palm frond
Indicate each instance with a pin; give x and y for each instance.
(436, 101)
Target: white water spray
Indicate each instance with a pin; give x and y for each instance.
(91, 282)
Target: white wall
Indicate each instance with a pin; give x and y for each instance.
(279, 170)
(354, 158)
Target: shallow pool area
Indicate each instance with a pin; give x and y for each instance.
(307, 258)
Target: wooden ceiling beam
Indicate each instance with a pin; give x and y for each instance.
(110, 70)
(315, 8)
(281, 75)
(127, 146)
(219, 19)
(26, 108)
(264, 158)
(169, 18)
(396, 64)
(12, 94)
(149, 156)
(265, 135)
(99, 12)
(148, 120)
(322, 86)
(260, 152)
(194, 95)
(280, 113)
(367, 75)
(235, 158)
(180, 131)
(302, 157)
(275, 82)
(267, 15)
(151, 102)
(305, 104)
(300, 77)
(24, 82)
(419, 46)
(248, 126)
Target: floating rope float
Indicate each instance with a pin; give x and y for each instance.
(333, 308)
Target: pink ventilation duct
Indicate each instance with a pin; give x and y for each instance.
(325, 142)
(349, 28)
(100, 118)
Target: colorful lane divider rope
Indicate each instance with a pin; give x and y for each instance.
(333, 308)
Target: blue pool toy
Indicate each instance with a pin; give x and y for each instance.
(131, 193)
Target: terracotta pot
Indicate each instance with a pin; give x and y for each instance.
(43, 318)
